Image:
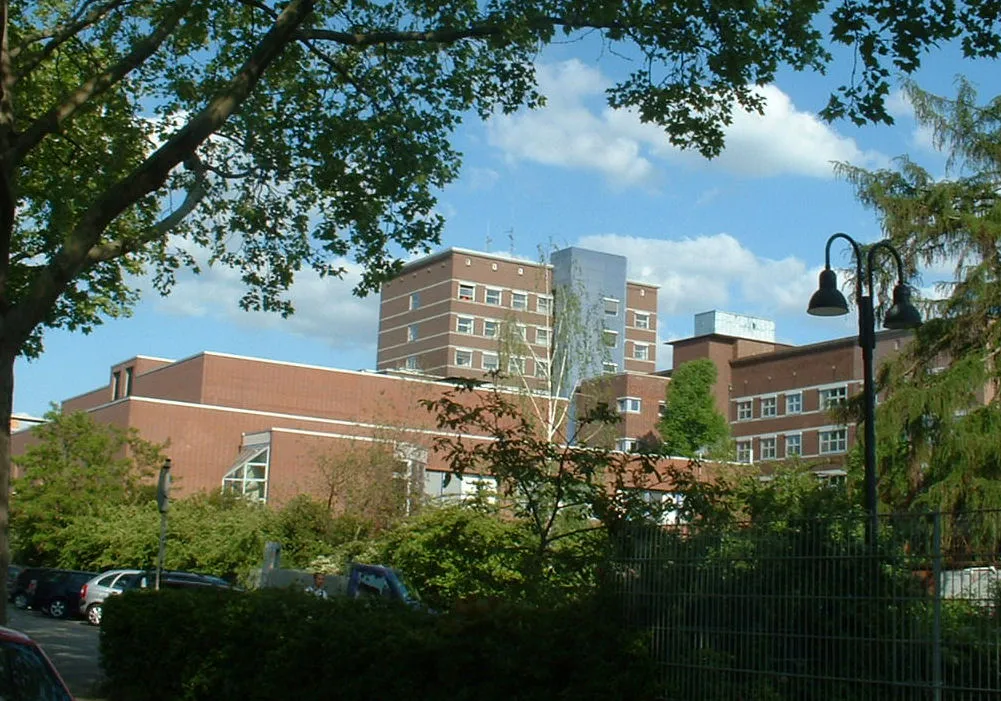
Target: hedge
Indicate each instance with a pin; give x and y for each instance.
(185, 645)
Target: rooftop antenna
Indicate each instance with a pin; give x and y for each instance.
(489, 239)
(510, 241)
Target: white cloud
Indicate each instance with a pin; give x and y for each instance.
(576, 131)
(711, 272)
(325, 308)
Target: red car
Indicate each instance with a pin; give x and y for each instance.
(26, 672)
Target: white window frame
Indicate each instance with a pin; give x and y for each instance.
(641, 320)
(544, 332)
(543, 304)
(661, 409)
(462, 296)
(769, 407)
(463, 353)
(411, 363)
(798, 442)
(491, 324)
(520, 332)
(464, 324)
(516, 364)
(833, 441)
(491, 366)
(610, 367)
(415, 300)
(611, 305)
(745, 451)
(641, 351)
(794, 398)
(490, 291)
(627, 445)
(629, 405)
(768, 448)
(831, 397)
(413, 333)
(519, 301)
(541, 368)
(237, 479)
(610, 335)
(745, 409)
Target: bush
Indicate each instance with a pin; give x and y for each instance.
(274, 644)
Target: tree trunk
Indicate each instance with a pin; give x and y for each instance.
(6, 409)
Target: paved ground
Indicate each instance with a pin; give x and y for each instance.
(72, 645)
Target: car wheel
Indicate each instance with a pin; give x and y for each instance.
(94, 614)
(58, 608)
(21, 600)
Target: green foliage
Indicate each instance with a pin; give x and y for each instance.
(692, 425)
(936, 437)
(75, 469)
(306, 530)
(260, 645)
(561, 492)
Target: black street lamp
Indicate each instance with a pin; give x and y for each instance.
(828, 301)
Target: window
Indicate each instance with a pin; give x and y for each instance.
(769, 407)
(466, 292)
(662, 409)
(490, 362)
(542, 337)
(629, 405)
(541, 368)
(745, 410)
(415, 300)
(520, 332)
(464, 324)
(833, 396)
(249, 478)
(519, 300)
(543, 305)
(626, 445)
(490, 328)
(794, 445)
(464, 358)
(412, 333)
(411, 362)
(116, 385)
(794, 403)
(611, 338)
(516, 366)
(767, 449)
(641, 351)
(611, 306)
(641, 320)
(493, 297)
(744, 451)
(609, 367)
(835, 441)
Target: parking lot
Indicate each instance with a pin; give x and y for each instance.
(71, 644)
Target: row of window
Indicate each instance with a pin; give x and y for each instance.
(831, 441)
(494, 296)
(491, 328)
(829, 398)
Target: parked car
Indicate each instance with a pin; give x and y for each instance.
(97, 589)
(23, 589)
(94, 592)
(12, 572)
(26, 672)
(58, 592)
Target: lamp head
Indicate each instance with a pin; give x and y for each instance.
(827, 300)
(903, 314)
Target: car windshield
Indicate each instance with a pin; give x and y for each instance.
(25, 675)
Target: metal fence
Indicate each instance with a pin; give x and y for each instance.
(806, 610)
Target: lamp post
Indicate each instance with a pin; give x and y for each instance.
(828, 301)
(163, 504)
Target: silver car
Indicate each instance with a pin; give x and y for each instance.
(96, 590)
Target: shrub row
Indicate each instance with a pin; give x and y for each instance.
(278, 644)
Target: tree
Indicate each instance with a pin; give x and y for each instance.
(563, 493)
(938, 424)
(691, 425)
(273, 136)
(76, 467)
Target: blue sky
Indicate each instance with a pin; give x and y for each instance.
(743, 233)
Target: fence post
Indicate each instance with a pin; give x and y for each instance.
(937, 603)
